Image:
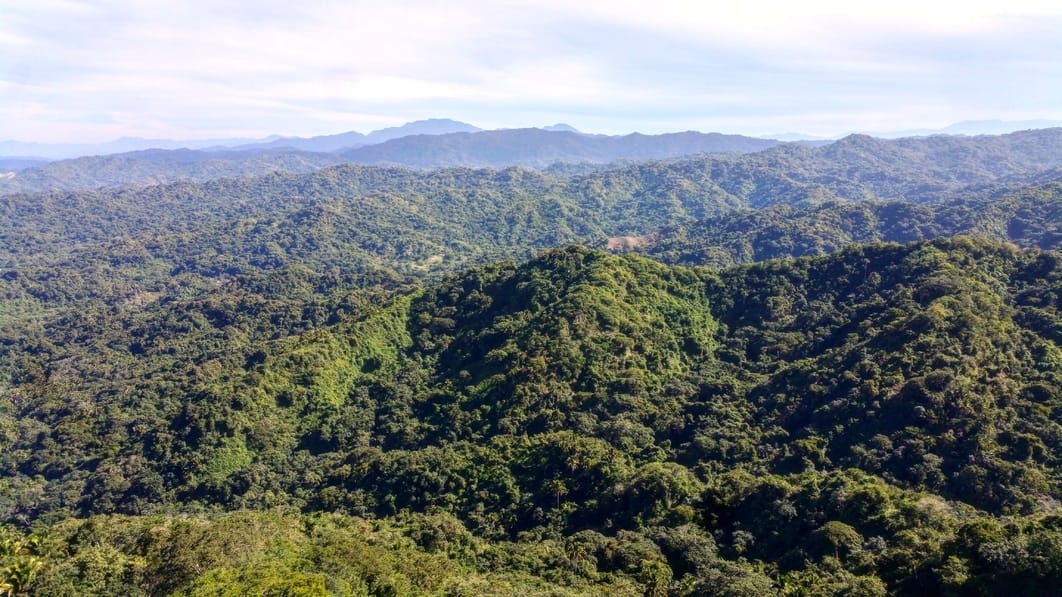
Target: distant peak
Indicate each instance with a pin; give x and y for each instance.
(857, 139)
(561, 127)
(430, 123)
(431, 126)
(438, 121)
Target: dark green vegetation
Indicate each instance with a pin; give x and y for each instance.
(336, 383)
(301, 237)
(1029, 217)
(884, 417)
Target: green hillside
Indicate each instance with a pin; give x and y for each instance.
(1029, 217)
(802, 371)
(883, 419)
(320, 233)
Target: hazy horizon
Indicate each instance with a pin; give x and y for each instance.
(993, 127)
(80, 72)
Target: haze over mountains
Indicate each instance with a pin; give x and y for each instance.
(435, 126)
(321, 143)
(541, 148)
(12, 149)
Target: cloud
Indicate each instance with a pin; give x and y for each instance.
(195, 68)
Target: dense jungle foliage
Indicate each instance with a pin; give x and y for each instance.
(884, 418)
(1030, 217)
(305, 235)
(377, 381)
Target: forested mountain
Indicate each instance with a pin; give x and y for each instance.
(539, 148)
(527, 147)
(375, 380)
(860, 167)
(511, 147)
(63, 249)
(854, 168)
(1029, 217)
(337, 224)
(879, 419)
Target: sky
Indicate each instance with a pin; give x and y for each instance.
(79, 71)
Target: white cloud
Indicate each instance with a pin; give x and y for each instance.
(766, 20)
(317, 66)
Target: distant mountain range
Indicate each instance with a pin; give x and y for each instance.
(429, 147)
(814, 170)
(18, 155)
(62, 151)
(539, 148)
(976, 127)
(434, 126)
(966, 127)
(324, 143)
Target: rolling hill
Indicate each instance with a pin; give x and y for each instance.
(865, 421)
